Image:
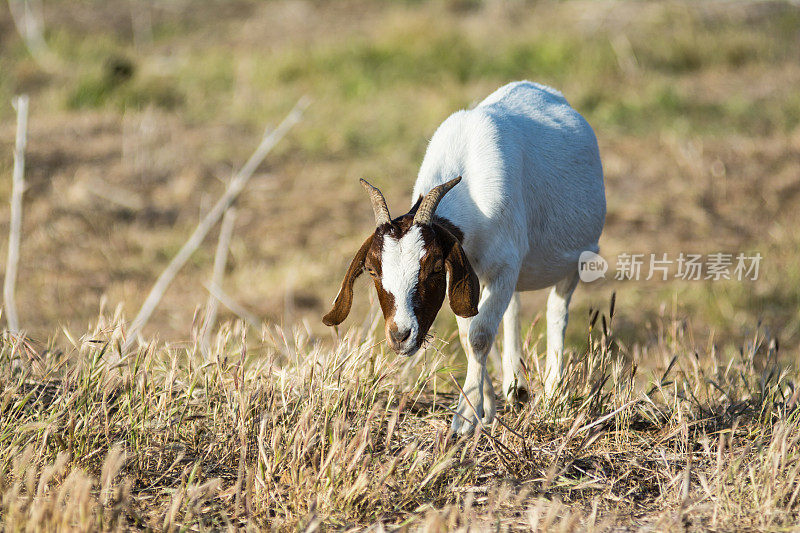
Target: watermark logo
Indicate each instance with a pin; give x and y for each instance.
(591, 266)
(662, 267)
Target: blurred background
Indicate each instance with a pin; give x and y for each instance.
(141, 111)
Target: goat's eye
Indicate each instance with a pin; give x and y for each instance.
(371, 271)
(438, 265)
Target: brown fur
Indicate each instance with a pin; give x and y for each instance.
(464, 287)
(344, 300)
(444, 254)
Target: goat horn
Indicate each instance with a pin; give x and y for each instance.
(378, 204)
(424, 215)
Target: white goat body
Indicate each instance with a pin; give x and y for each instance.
(530, 201)
(532, 190)
(508, 196)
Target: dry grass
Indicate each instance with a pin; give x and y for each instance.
(289, 433)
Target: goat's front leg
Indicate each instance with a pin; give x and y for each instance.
(477, 336)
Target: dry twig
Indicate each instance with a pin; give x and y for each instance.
(235, 187)
(29, 27)
(15, 225)
(236, 308)
(220, 259)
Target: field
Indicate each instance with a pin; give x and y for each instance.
(678, 411)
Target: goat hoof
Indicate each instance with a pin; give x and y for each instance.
(461, 427)
(517, 397)
(467, 424)
(465, 419)
(516, 393)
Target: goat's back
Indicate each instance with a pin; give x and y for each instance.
(532, 189)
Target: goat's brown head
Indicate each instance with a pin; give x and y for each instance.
(413, 260)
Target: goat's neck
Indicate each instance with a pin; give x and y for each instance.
(450, 226)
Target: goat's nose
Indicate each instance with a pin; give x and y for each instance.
(399, 336)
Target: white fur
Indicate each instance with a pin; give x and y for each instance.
(400, 262)
(530, 201)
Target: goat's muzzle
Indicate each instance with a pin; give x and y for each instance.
(401, 341)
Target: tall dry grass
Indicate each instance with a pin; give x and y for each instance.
(290, 432)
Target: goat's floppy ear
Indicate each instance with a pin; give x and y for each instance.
(341, 307)
(463, 287)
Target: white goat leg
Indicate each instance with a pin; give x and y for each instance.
(557, 318)
(482, 330)
(515, 387)
(474, 387)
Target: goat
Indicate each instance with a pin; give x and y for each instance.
(530, 199)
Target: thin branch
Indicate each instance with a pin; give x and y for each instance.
(29, 27)
(15, 226)
(223, 298)
(142, 23)
(220, 259)
(235, 187)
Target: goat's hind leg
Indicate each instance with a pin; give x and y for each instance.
(515, 386)
(557, 318)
